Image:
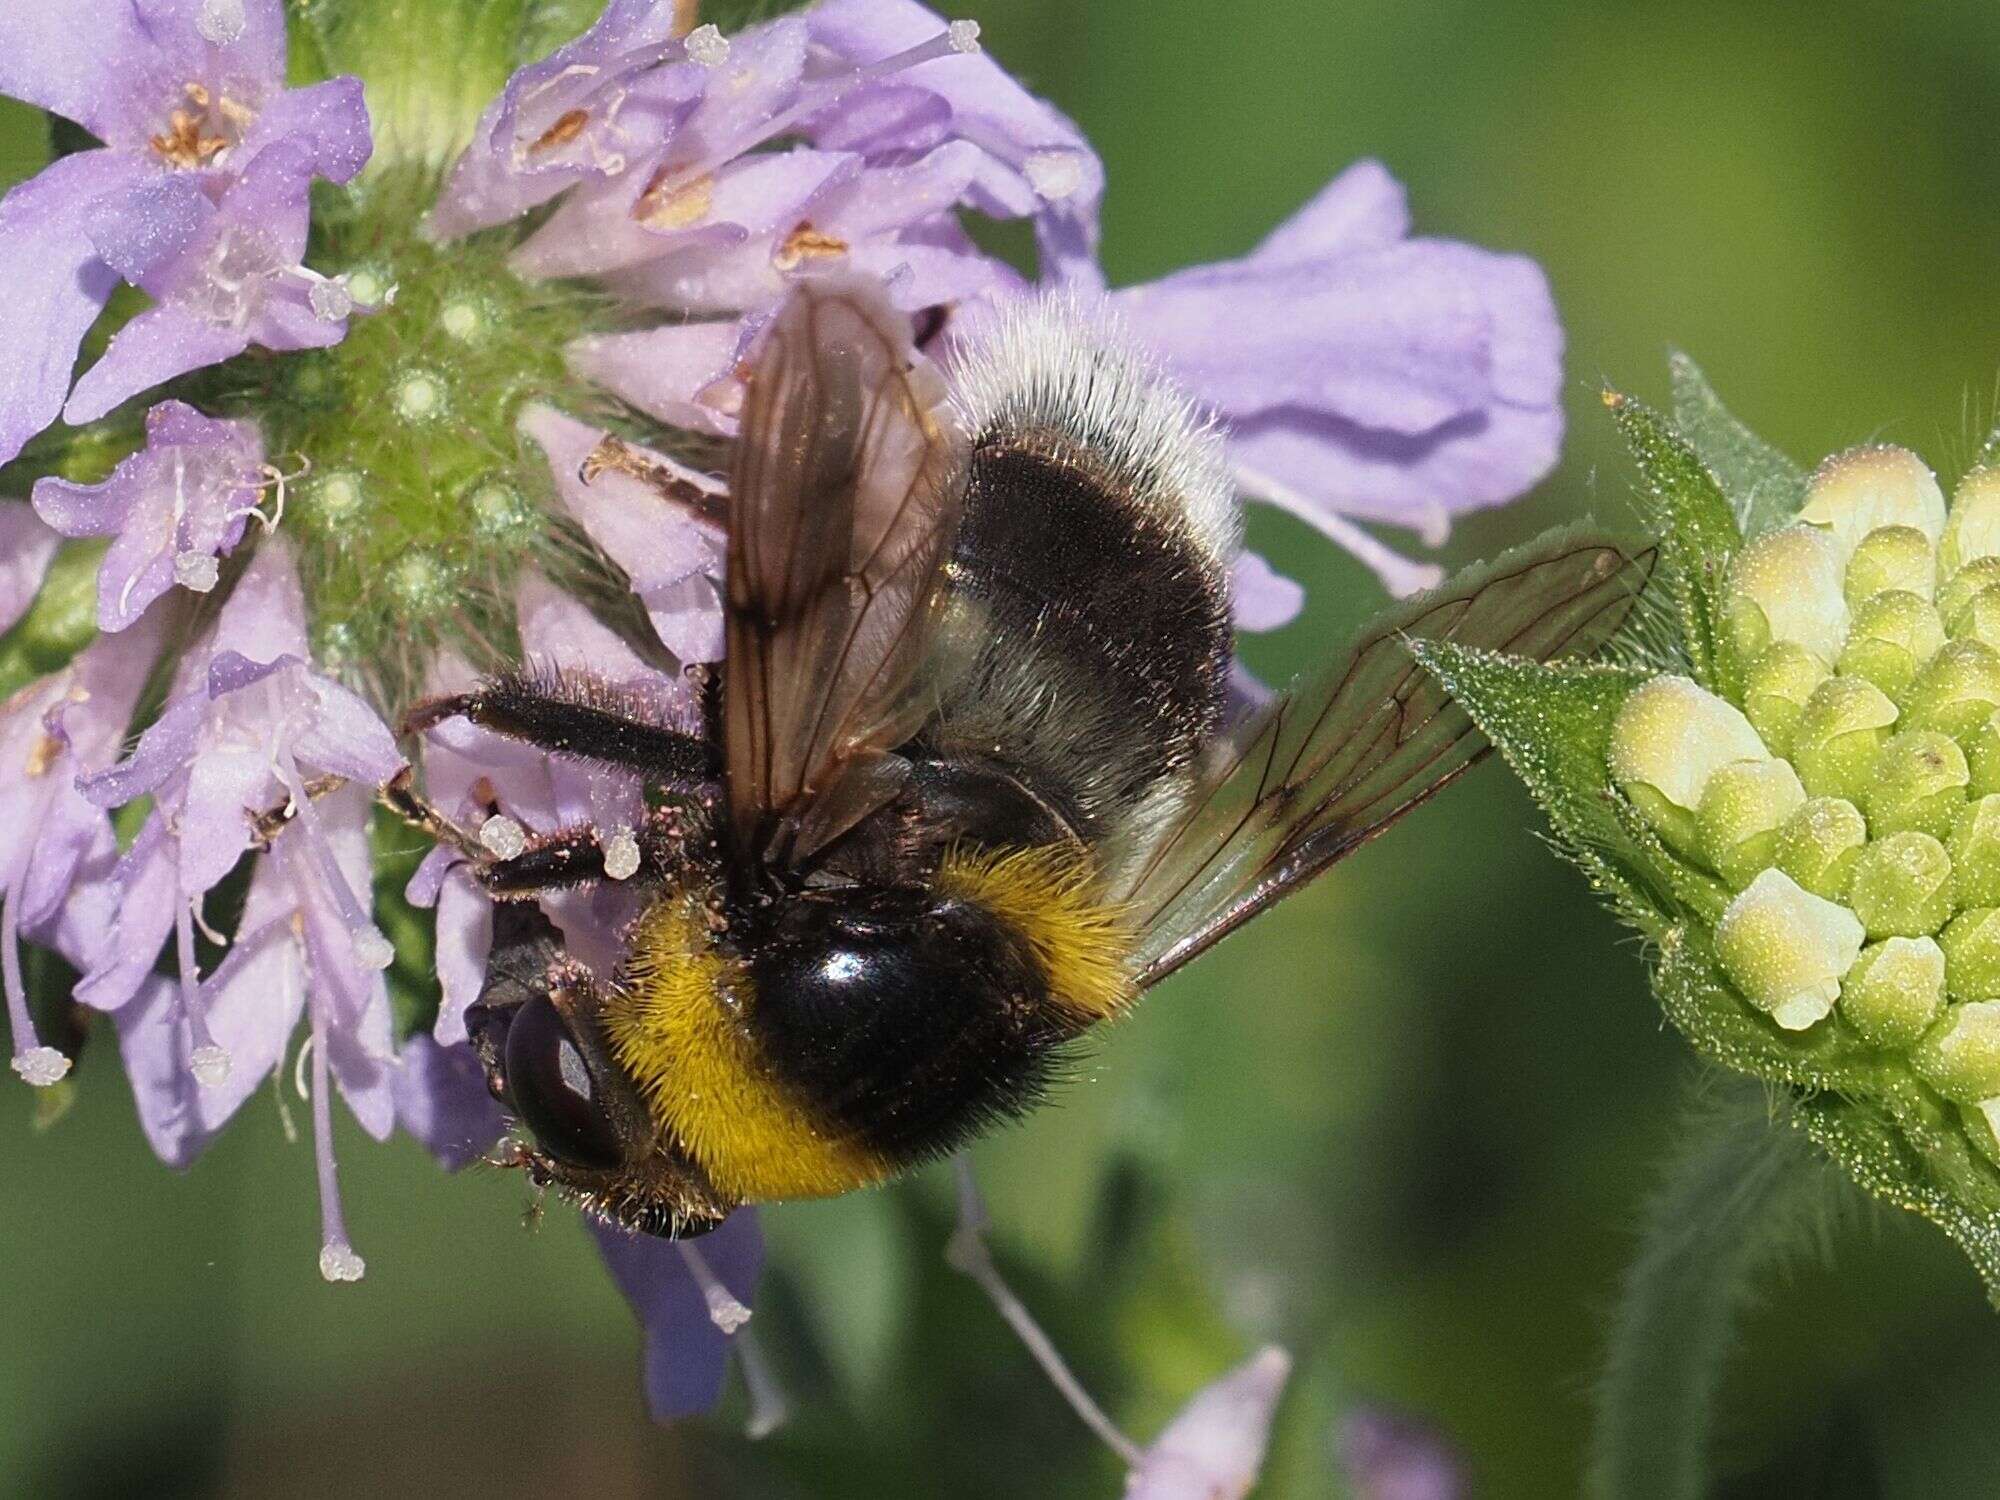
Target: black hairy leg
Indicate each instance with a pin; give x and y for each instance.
(581, 716)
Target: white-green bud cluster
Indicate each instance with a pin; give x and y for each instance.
(1850, 798)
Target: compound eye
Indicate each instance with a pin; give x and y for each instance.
(553, 1091)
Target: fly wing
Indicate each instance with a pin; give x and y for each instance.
(844, 498)
(1336, 759)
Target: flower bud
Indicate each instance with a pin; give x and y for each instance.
(1894, 991)
(1959, 589)
(1891, 557)
(1919, 783)
(1819, 844)
(1744, 805)
(1844, 725)
(1974, 847)
(1957, 693)
(1971, 943)
(1901, 886)
(1978, 618)
(1853, 493)
(1973, 529)
(1982, 757)
(1670, 736)
(1786, 949)
(1960, 1057)
(1785, 586)
(1894, 635)
(1775, 691)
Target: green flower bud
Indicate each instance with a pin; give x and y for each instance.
(1775, 691)
(1974, 847)
(1971, 943)
(1670, 736)
(1919, 783)
(1894, 991)
(1979, 618)
(1891, 557)
(1844, 725)
(1894, 635)
(1744, 805)
(1901, 886)
(1785, 586)
(1957, 693)
(1973, 529)
(1786, 949)
(1955, 597)
(1982, 757)
(1856, 492)
(1819, 844)
(1960, 1057)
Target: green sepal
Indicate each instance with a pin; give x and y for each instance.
(1687, 889)
(1698, 533)
(1895, 1137)
(1764, 487)
(26, 143)
(1552, 724)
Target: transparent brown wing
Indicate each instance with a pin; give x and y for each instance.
(843, 501)
(1332, 762)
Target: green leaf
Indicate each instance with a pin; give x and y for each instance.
(25, 145)
(1551, 724)
(1765, 487)
(1698, 533)
(1895, 1137)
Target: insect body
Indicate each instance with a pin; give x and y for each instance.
(972, 783)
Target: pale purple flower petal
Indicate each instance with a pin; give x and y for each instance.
(442, 1100)
(685, 1354)
(1364, 208)
(682, 374)
(27, 547)
(1215, 1446)
(464, 939)
(1264, 598)
(1390, 1457)
(174, 507)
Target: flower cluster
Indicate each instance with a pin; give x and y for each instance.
(1797, 792)
(389, 379)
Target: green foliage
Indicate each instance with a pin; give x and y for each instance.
(1698, 535)
(1765, 487)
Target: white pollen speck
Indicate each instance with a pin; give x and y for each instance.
(338, 1262)
(196, 571)
(220, 21)
(330, 299)
(210, 1066)
(502, 837)
(1054, 174)
(708, 46)
(372, 950)
(621, 855)
(44, 1067)
(724, 1311)
(964, 36)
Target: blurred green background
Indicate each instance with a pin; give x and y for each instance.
(1404, 1124)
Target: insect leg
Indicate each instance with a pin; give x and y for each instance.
(580, 855)
(399, 794)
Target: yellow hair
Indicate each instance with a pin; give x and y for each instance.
(1049, 895)
(677, 1028)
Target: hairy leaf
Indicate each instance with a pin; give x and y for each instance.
(1764, 487)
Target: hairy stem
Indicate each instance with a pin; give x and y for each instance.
(1742, 1190)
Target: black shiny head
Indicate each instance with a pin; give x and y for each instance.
(903, 1019)
(536, 1028)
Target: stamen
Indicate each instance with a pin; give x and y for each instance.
(329, 298)
(337, 1260)
(502, 837)
(371, 949)
(621, 854)
(36, 1064)
(964, 36)
(768, 1407)
(220, 21)
(208, 1061)
(708, 46)
(967, 1252)
(1053, 174)
(1398, 574)
(196, 572)
(724, 1311)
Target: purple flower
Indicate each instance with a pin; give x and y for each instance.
(670, 196)
(1215, 1446)
(1390, 1457)
(27, 547)
(1363, 375)
(442, 1100)
(690, 1297)
(174, 507)
(56, 848)
(241, 735)
(188, 97)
